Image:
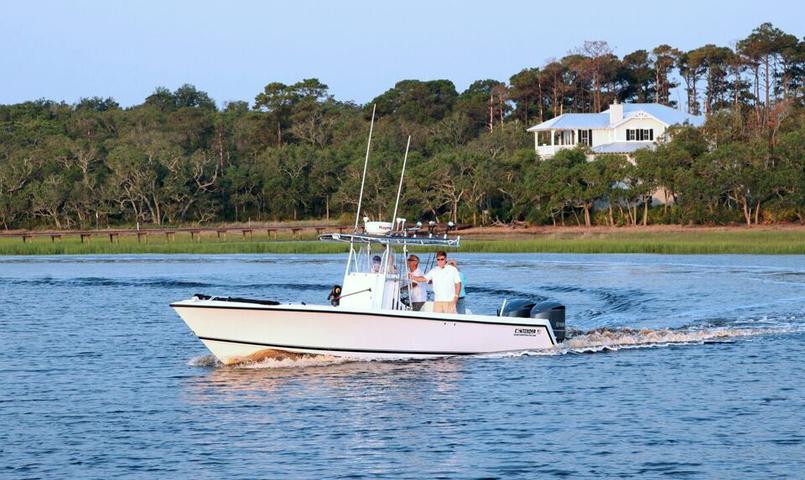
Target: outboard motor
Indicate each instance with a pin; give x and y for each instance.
(517, 308)
(550, 310)
(554, 312)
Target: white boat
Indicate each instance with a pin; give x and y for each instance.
(369, 315)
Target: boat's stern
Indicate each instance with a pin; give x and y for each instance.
(550, 310)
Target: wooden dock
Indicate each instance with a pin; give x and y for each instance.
(267, 232)
(196, 233)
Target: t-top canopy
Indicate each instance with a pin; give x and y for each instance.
(391, 239)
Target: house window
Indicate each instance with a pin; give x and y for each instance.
(640, 135)
(586, 137)
(565, 137)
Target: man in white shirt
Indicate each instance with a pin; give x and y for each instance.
(419, 292)
(446, 284)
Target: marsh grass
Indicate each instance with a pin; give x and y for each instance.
(684, 242)
(678, 242)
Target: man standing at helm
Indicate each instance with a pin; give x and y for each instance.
(446, 284)
(418, 294)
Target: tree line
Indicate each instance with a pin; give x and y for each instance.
(296, 152)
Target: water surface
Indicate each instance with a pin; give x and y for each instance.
(689, 366)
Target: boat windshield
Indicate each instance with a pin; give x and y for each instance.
(376, 276)
(377, 259)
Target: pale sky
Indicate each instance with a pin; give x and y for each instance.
(66, 50)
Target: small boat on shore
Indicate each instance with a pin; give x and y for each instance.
(369, 315)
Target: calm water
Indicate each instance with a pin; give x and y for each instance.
(689, 366)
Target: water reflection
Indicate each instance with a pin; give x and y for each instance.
(325, 376)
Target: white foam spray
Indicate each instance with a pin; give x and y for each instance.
(204, 361)
(304, 361)
(281, 360)
(613, 339)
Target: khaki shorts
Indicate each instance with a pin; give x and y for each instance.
(444, 307)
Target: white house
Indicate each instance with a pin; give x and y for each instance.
(623, 129)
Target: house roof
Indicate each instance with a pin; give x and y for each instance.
(623, 147)
(667, 115)
(574, 120)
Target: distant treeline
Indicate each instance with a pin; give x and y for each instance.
(296, 152)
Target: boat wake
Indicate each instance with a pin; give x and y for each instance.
(271, 359)
(283, 359)
(614, 339)
(204, 361)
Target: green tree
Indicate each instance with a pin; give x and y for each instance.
(417, 101)
(526, 92)
(761, 51)
(637, 78)
(664, 57)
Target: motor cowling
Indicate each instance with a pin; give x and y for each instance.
(554, 312)
(550, 310)
(517, 308)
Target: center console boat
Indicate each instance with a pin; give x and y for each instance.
(369, 315)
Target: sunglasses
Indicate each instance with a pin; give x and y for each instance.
(441, 259)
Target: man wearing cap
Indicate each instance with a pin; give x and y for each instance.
(376, 260)
(446, 284)
(419, 293)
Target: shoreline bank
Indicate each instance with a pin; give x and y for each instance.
(659, 239)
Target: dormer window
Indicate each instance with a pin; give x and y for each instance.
(640, 135)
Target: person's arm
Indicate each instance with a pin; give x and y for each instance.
(457, 282)
(419, 278)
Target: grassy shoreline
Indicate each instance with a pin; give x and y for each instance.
(694, 241)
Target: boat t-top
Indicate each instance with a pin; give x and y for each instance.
(369, 315)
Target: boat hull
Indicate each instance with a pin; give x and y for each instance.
(235, 332)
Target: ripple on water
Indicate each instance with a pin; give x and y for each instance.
(99, 378)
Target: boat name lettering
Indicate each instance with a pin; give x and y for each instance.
(525, 332)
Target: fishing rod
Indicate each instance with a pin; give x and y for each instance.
(360, 196)
(365, 164)
(402, 176)
(397, 202)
